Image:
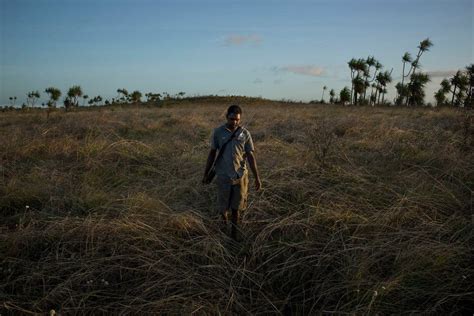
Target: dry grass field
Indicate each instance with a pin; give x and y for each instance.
(363, 211)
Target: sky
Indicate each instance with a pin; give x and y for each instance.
(273, 49)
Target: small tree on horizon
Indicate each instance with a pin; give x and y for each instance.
(84, 97)
(136, 96)
(98, 99)
(332, 94)
(322, 97)
(74, 93)
(152, 97)
(12, 101)
(122, 95)
(345, 95)
(54, 95)
(32, 97)
(95, 100)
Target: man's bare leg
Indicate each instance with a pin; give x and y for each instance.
(225, 221)
(235, 223)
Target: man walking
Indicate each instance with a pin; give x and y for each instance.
(235, 146)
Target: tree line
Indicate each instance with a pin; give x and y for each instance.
(75, 94)
(369, 83)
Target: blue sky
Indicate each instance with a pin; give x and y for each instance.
(269, 48)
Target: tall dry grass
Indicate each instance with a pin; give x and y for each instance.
(365, 211)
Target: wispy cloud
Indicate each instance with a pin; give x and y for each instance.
(257, 81)
(238, 40)
(433, 74)
(307, 70)
(441, 73)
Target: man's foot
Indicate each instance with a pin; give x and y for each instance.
(235, 232)
(225, 223)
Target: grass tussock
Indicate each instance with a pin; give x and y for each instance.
(365, 211)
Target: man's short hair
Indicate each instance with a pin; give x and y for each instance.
(234, 109)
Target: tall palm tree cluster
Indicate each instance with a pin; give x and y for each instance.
(367, 76)
(412, 93)
(369, 81)
(461, 87)
(367, 73)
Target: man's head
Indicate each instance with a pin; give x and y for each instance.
(233, 116)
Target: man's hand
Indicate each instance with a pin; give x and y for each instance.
(258, 184)
(210, 160)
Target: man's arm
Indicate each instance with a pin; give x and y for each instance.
(253, 166)
(210, 160)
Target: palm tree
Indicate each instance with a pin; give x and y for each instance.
(358, 69)
(136, 96)
(455, 82)
(54, 95)
(352, 66)
(322, 98)
(359, 86)
(402, 90)
(460, 81)
(73, 94)
(122, 95)
(332, 94)
(370, 62)
(95, 100)
(345, 95)
(152, 97)
(32, 97)
(445, 86)
(417, 83)
(12, 100)
(470, 74)
(373, 95)
(405, 59)
(424, 46)
(383, 78)
(440, 95)
(84, 97)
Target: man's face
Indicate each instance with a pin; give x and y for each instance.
(233, 120)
